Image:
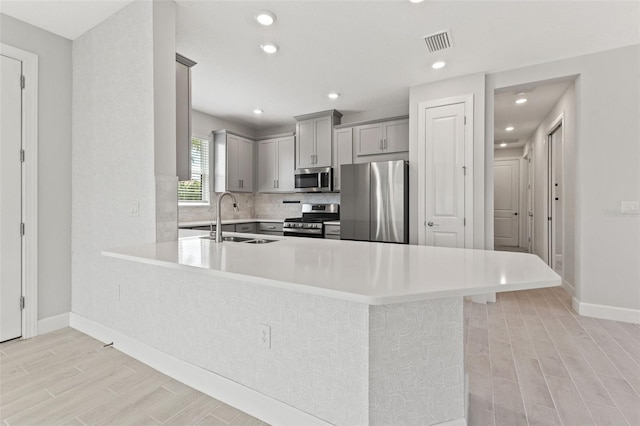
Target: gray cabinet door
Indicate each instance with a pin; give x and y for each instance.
(267, 168)
(285, 164)
(305, 144)
(323, 135)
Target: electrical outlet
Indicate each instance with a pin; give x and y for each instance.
(265, 336)
(116, 292)
(134, 208)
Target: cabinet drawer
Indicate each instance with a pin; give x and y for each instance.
(249, 228)
(270, 227)
(331, 231)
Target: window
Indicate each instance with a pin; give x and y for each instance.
(196, 190)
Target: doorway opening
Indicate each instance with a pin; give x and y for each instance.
(529, 158)
(555, 206)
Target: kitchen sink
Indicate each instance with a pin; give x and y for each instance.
(261, 241)
(240, 239)
(236, 239)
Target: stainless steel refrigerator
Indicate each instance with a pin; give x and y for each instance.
(374, 202)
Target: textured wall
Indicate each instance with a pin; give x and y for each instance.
(113, 149)
(416, 363)
(54, 160)
(318, 361)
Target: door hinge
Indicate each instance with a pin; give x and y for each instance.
(22, 229)
(22, 155)
(464, 221)
(464, 170)
(22, 82)
(21, 302)
(549, 218)
(465, 119)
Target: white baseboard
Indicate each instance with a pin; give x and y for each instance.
(606, 312)
(54, 323)
(569, 287)
(243, 398)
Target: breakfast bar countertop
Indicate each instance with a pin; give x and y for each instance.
(363, 272)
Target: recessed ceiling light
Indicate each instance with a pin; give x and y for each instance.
(264, 17)
(438, 65)
(416, 1)
(258, 111)
(333, 95)
(269, 47)
(502, 145)
(509, 129)
(521, 100)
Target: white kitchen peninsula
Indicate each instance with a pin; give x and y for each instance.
(361, 333)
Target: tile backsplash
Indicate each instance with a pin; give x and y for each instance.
(271, 205)
(261, 206)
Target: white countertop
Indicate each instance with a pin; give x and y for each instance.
(228, 222)
(370, 273)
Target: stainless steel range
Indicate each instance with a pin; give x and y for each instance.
(311, 224)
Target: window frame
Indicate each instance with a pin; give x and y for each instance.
(201, 202)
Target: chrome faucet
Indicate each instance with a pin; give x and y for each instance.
(219, 213)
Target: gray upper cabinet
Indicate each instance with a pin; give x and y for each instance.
(314, 138)
(382, 137)
(233, 162)
(342, 152)
(276, 164)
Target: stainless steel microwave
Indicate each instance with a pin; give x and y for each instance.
(316, 179)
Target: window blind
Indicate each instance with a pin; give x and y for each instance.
(197, 189)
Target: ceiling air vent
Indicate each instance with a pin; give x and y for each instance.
(438, 41)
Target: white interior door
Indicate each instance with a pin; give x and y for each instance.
(444, 175)
(10, 199)
(506, 181)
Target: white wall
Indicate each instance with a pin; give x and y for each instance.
(507, 153)
(113, 158)
(203, 124)
(54, 167)
(606, 163)
(538, 144)
(472, 84)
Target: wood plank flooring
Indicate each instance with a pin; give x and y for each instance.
(531, 361)
(68, 378)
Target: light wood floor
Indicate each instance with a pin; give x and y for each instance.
(68, 378)
(530, 359)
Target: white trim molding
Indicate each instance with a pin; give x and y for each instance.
(606, 312)
(29, 187)
(47, 325)
(241, 397)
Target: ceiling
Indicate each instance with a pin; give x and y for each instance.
(69, 19)
(524, 118)
(369, 51)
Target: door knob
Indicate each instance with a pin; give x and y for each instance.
(430, 223)
(515, 214)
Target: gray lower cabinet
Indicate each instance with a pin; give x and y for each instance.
(247, 228)
(225, 228)
(270, 228)
(332, 232)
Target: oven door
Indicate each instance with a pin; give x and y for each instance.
(318, 179)
(300, 232)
